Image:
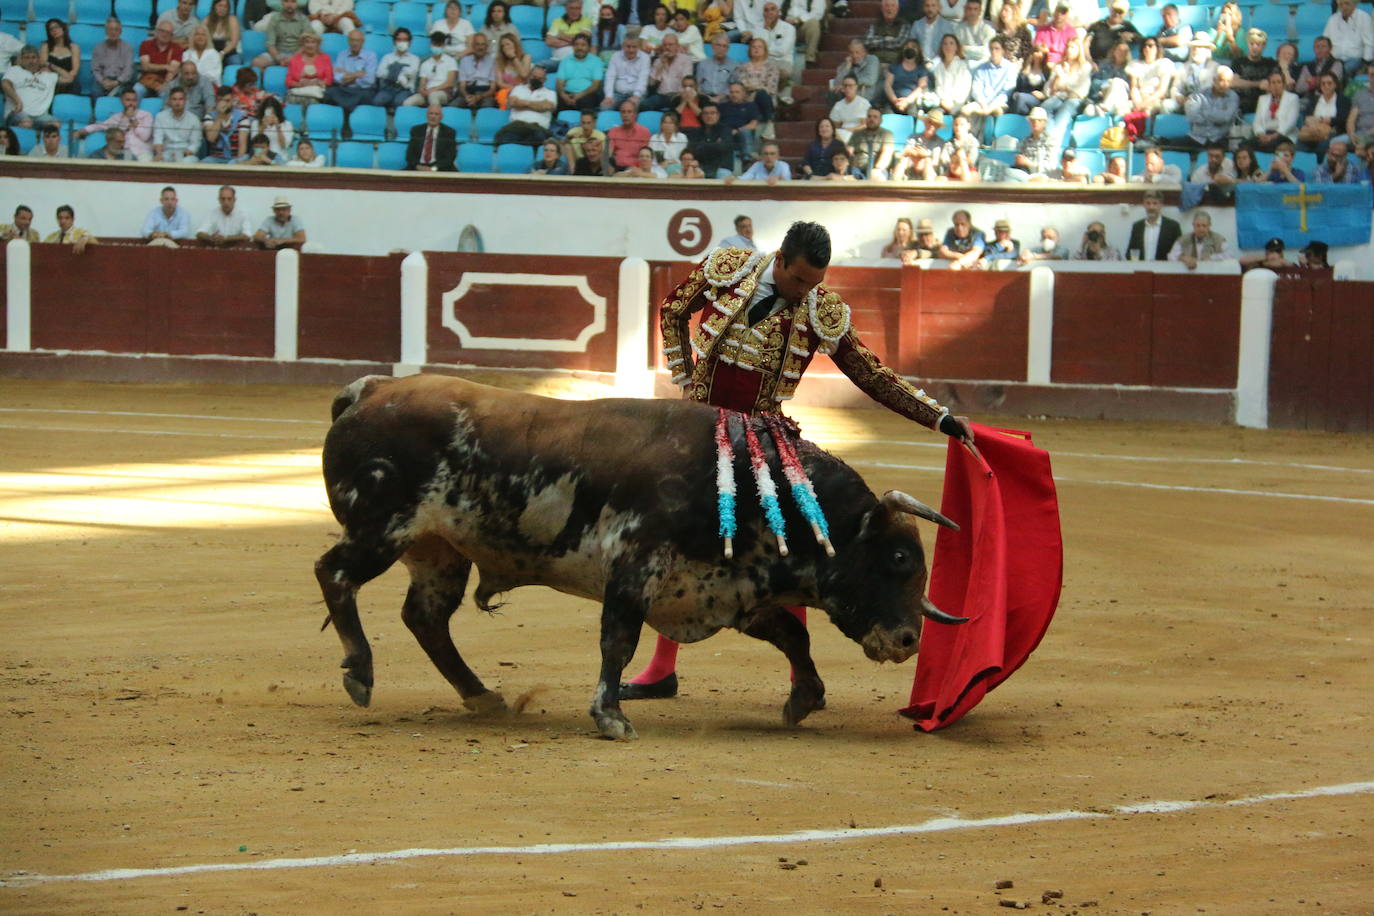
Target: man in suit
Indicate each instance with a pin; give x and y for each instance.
(1153, 237)
(432, 145)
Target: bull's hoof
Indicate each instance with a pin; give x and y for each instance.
(802, 703)
(614, 726)
(358, 692)
(485, 703)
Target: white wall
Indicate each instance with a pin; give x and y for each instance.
(375, 222)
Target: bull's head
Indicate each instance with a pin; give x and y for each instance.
(877, 587)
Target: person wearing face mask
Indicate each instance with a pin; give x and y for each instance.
(438, 75)
(397, 72)
(531, 107)
(906, 84)
(1048, 248)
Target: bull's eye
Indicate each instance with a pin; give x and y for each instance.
(901, 557)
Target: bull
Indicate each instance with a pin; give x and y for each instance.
(610, 500)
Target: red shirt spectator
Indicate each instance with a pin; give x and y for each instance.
(627, 138)
(159, 51)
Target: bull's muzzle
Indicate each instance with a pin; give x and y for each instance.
(891, 645)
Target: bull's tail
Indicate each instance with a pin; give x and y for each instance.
(352, 393)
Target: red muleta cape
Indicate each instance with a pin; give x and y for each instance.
(1002, 569)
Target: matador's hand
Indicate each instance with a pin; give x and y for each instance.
(959, 428)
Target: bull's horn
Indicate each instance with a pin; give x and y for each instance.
(904, 502)
(937, 615)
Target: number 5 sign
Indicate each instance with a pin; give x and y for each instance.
(689, 232)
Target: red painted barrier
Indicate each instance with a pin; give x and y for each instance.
(1321, 366)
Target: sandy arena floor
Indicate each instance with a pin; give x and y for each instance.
(169, 701)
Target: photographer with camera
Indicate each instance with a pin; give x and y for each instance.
(1095, 247)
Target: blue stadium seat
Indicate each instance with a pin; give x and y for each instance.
(571, 117)
(1265, 161)
(367, 122)
(739, 52)
(1012, 125)
(605, 120)
(324, 119)
(252, 44)
(514, 159)
(165, 5)
(474, 157)
(35, 33)
(901, 125)
(87, 36)
(1199, 17)
(1148, 19)
(1311, 19)
(85, 79)
(135, 15)
(407, 116)
(373, 15)
(92, 143)
(353, 154)
(391, 156)
(556, 11)
(107, 105)
(231, 72)
(529, 20)
(413, 16)
(26, 136)
(460, 119)
(1183, 160)
(651, 120)
(332, 43)
(52, 9)
(1275, 20)
(294, 113)
(75, 108)
(16, 28)
(487, 122)
(1087, 131)
(1307, 163)
(152, 104)
(379, 44)
(477, 14)
(1169, 126)
(274, 79)
(1094, 160)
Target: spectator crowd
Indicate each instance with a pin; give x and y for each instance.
(948, 90)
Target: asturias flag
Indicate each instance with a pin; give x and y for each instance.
(1337, 214)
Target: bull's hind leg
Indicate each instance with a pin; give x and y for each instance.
(789, 634)
(438, 579)
(345, 568)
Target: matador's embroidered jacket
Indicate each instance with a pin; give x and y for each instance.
(754, 369)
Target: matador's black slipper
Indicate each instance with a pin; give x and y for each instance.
(661, 689)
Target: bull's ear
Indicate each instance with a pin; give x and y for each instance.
(872, 521)
(898, 501)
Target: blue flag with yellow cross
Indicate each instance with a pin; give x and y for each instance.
(1337, 214)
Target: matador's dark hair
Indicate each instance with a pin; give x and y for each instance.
(809, 240)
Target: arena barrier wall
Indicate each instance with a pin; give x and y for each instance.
(1132, 344)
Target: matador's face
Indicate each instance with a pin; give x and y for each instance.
(793, 280)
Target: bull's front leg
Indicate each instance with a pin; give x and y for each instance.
(785, 631)
(622, 618)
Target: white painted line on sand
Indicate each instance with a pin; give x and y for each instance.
(159, 432)
(935, 825)
(1353, 500)
(1159, 459)
(144, 413)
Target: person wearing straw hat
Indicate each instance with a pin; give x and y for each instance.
(1196, 75)
(919, 159)
(1003, 252)
(281, 229)
(1036, 153)
(926, 245)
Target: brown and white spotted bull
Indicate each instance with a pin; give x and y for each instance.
(611, 500)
